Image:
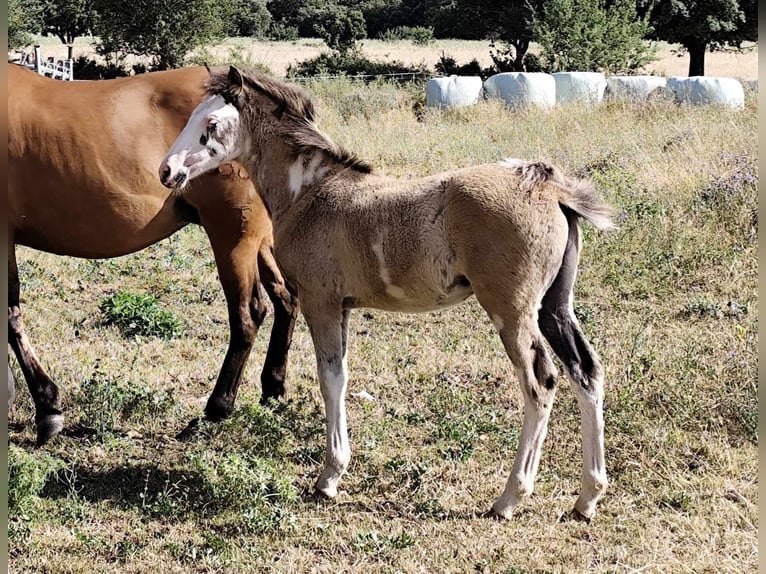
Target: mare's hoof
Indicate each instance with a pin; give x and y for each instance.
(49, 426)
(273, 397)
(192, 431)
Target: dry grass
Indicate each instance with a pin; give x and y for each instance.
(669, 301)
(278, 56)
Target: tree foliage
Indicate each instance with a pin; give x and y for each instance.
(701, 24)
(339, 26)
(67, 19)
(585, 35)
(251, 18)
(24, 19)
(166, 30)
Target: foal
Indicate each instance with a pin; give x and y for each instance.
(346, 238)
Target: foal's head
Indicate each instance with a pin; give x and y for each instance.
(239, 108)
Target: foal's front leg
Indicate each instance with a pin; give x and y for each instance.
(329, 331)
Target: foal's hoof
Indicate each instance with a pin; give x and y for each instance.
(48, 426)
(492, 514)
(575, 515)
(326, 491)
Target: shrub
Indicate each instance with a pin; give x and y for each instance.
(103, 399)
(350, 64)
(27, 475)
(88, 69)
(236, 56)
(259, 493)
(419, 35)
(138, 315)
(585, 36)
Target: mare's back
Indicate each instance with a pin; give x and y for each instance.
(83, 159)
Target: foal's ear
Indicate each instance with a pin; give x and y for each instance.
(236, 80)
(209, 71)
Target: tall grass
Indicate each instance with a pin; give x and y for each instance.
(669, 300)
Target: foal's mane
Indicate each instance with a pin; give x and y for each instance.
(292, 103)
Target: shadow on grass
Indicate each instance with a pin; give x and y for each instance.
(148, 487)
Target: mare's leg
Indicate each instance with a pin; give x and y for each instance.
(285, 302)
(236, 255)
(586, 375)
(328, 326)
(44, 393)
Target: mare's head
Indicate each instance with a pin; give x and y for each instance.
(239, 109)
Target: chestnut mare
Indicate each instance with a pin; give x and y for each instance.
(82, 159)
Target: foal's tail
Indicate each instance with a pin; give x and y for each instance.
(578, 200)
(581, 198)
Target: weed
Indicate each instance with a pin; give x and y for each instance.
(27, 475)
(139, 315)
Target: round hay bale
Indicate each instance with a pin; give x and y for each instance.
(519, 89)
(453, 91)
(633, 88)
(585, 87)
(700, 90)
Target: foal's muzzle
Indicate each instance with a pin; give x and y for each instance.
(172, 180)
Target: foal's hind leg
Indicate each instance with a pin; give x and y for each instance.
(44, 392)
(586, 375)
(537, 377)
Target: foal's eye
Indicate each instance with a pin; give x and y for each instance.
(211, 127)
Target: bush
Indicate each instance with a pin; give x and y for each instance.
(585, 36)
(27, 475)
(138, 315)
(281, 32)
(350, 64)
(419, 35)
(88, 69)
(104, 399)
(236, 56)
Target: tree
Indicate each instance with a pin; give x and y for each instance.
(166, 30)
(701, 24)
(509, 22)
(339, 26)
(67, 19)
(24, 19)
(251, 18)
(586, 35)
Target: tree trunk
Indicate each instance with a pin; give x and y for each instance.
(697, 50)
(522, 46)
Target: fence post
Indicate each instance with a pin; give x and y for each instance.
(37, 58)
(70, 62)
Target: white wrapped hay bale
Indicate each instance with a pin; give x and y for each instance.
(633, 88)
(585, 87)
(453, 91)
(519, 89)
(705, 90)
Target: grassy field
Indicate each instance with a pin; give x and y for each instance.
(671, 60)
(669, 300)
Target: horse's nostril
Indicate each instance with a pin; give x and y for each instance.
(166, 173)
